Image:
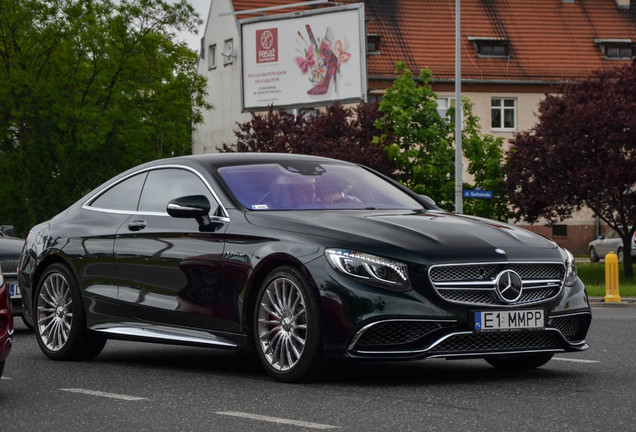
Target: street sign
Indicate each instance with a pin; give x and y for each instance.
(477, 193)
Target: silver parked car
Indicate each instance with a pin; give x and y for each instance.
(609, 242)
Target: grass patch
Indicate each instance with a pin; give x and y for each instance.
(593, 276)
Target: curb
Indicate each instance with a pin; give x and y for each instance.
(626, 302)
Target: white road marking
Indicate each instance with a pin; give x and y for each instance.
(103, 394)
(276, 420)
(5, 377)
(576, 360)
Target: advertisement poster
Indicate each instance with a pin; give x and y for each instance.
(304, 61)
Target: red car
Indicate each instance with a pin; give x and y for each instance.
(6, 323)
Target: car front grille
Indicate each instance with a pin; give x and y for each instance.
(573, 327)
(474, 284)
(466, 343)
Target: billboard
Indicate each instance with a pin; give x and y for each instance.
(304, 59)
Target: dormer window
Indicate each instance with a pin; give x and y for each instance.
(491, 47)
(616, 49)
(373, 44)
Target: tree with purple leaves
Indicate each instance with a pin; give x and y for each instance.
(582, 153)
(338, 132)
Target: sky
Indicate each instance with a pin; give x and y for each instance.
(194, 40)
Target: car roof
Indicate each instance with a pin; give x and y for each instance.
(234, 158)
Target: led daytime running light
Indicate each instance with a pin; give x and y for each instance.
(347, 262)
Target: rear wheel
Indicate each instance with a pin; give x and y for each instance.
(60, 323)
(287, 326)
(620, 255)
(528, 361)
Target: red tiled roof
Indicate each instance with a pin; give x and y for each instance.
(550, 40)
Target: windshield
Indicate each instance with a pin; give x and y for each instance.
(311, 186)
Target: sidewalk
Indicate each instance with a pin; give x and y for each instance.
(625, 302)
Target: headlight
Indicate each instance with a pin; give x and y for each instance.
(370, 268)
(570, 269)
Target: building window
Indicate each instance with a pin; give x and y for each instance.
(559, 230)
(212, 57)
(504, 113)
(228, 52)
(491, 47)
(373, 44)
(444, 104)
(616, 49)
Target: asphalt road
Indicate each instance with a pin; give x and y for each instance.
(144, 387)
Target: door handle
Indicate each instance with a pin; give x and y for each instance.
(137, 225)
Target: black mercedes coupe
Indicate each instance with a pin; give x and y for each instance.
(297, 258)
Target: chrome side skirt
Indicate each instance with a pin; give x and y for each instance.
(160, 333)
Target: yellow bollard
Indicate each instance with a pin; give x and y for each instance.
(611, 279)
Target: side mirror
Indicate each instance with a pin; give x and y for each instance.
(7, 230)
(193, 206)
(197, 207)
(428, 201)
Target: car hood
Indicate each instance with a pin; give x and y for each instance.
(443, 235)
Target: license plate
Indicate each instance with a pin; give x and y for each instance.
(509, 320)
(14, 291)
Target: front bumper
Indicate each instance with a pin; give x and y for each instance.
(405, 338)
(369, 322)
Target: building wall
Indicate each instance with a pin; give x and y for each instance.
(576, 240)
(224, 82)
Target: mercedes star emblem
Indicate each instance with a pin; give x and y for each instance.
(509, 286)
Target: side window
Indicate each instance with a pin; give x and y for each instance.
(124, 196)
(166, 184)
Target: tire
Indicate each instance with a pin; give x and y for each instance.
(27, 323)
(287, 331)
(528, 361)
(620, 255)
(593, 255)
(60, 323)
(1, 368)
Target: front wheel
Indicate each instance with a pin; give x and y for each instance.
(528, 361)
(287, 326)
(60, 323)
(593, 255)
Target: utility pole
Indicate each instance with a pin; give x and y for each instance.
(459, 170)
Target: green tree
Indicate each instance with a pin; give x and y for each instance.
(88, 89)
(420, 146)
(417, 138)
(485, 157)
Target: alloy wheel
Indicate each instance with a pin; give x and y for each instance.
(282, 324)
(54, 312)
